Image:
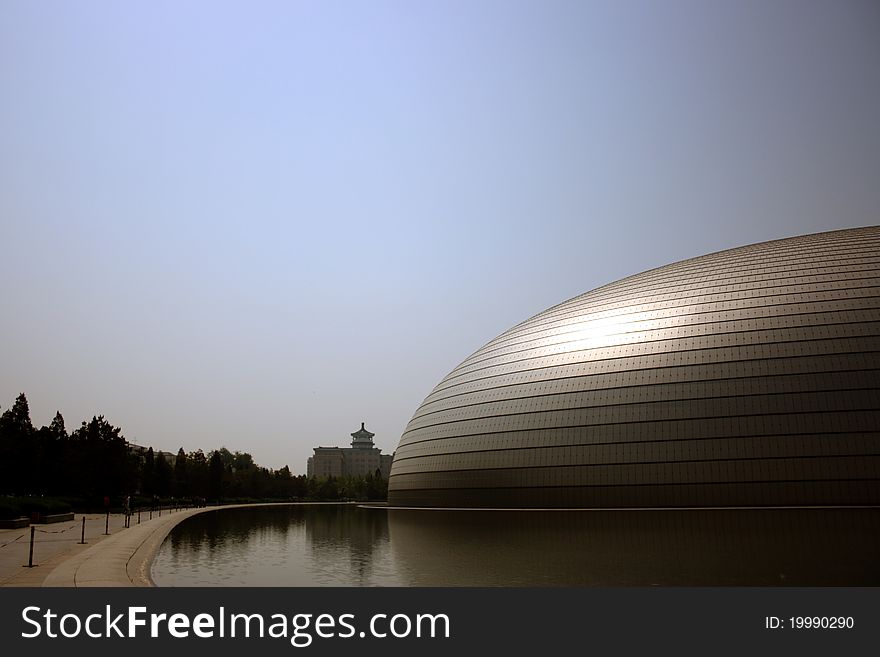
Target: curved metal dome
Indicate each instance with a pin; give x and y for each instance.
(744, 377)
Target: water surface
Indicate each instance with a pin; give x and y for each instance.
(343, 545)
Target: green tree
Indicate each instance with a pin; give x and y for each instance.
(216, 470)
(162, 476)
(226, 457)
(197, 470)
(242, 461)
(50, 446)
(181, 475)
(56, 427)
(18, 454)
(282, 484)
(328, 489)
(103, 464)
(55, 452)
(148, 474)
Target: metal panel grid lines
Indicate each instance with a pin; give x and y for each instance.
(748, 377)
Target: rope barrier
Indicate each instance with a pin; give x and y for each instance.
(74, 526)
(40, 531)
(59, 531)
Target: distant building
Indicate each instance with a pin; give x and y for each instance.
(362, 458)
(141, 451)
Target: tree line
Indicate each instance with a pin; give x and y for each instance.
(95, 461)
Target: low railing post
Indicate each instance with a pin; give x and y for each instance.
(31, 552)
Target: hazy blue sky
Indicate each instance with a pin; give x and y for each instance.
(257, 224)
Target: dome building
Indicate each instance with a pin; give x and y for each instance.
(748, 377)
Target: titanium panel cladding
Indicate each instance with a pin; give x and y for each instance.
(747, 377)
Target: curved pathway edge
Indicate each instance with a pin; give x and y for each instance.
(125, 559)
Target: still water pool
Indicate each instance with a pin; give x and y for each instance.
(345, 545)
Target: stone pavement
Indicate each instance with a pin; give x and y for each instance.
(121, 559)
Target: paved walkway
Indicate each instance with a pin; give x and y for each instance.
(121, 558)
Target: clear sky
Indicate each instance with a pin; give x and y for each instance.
(258, 224)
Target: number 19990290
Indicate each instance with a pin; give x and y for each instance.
(821, 622)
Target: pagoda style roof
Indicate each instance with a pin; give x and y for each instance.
(362, 437)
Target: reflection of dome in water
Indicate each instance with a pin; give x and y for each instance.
(744, 377)
(672, 547)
